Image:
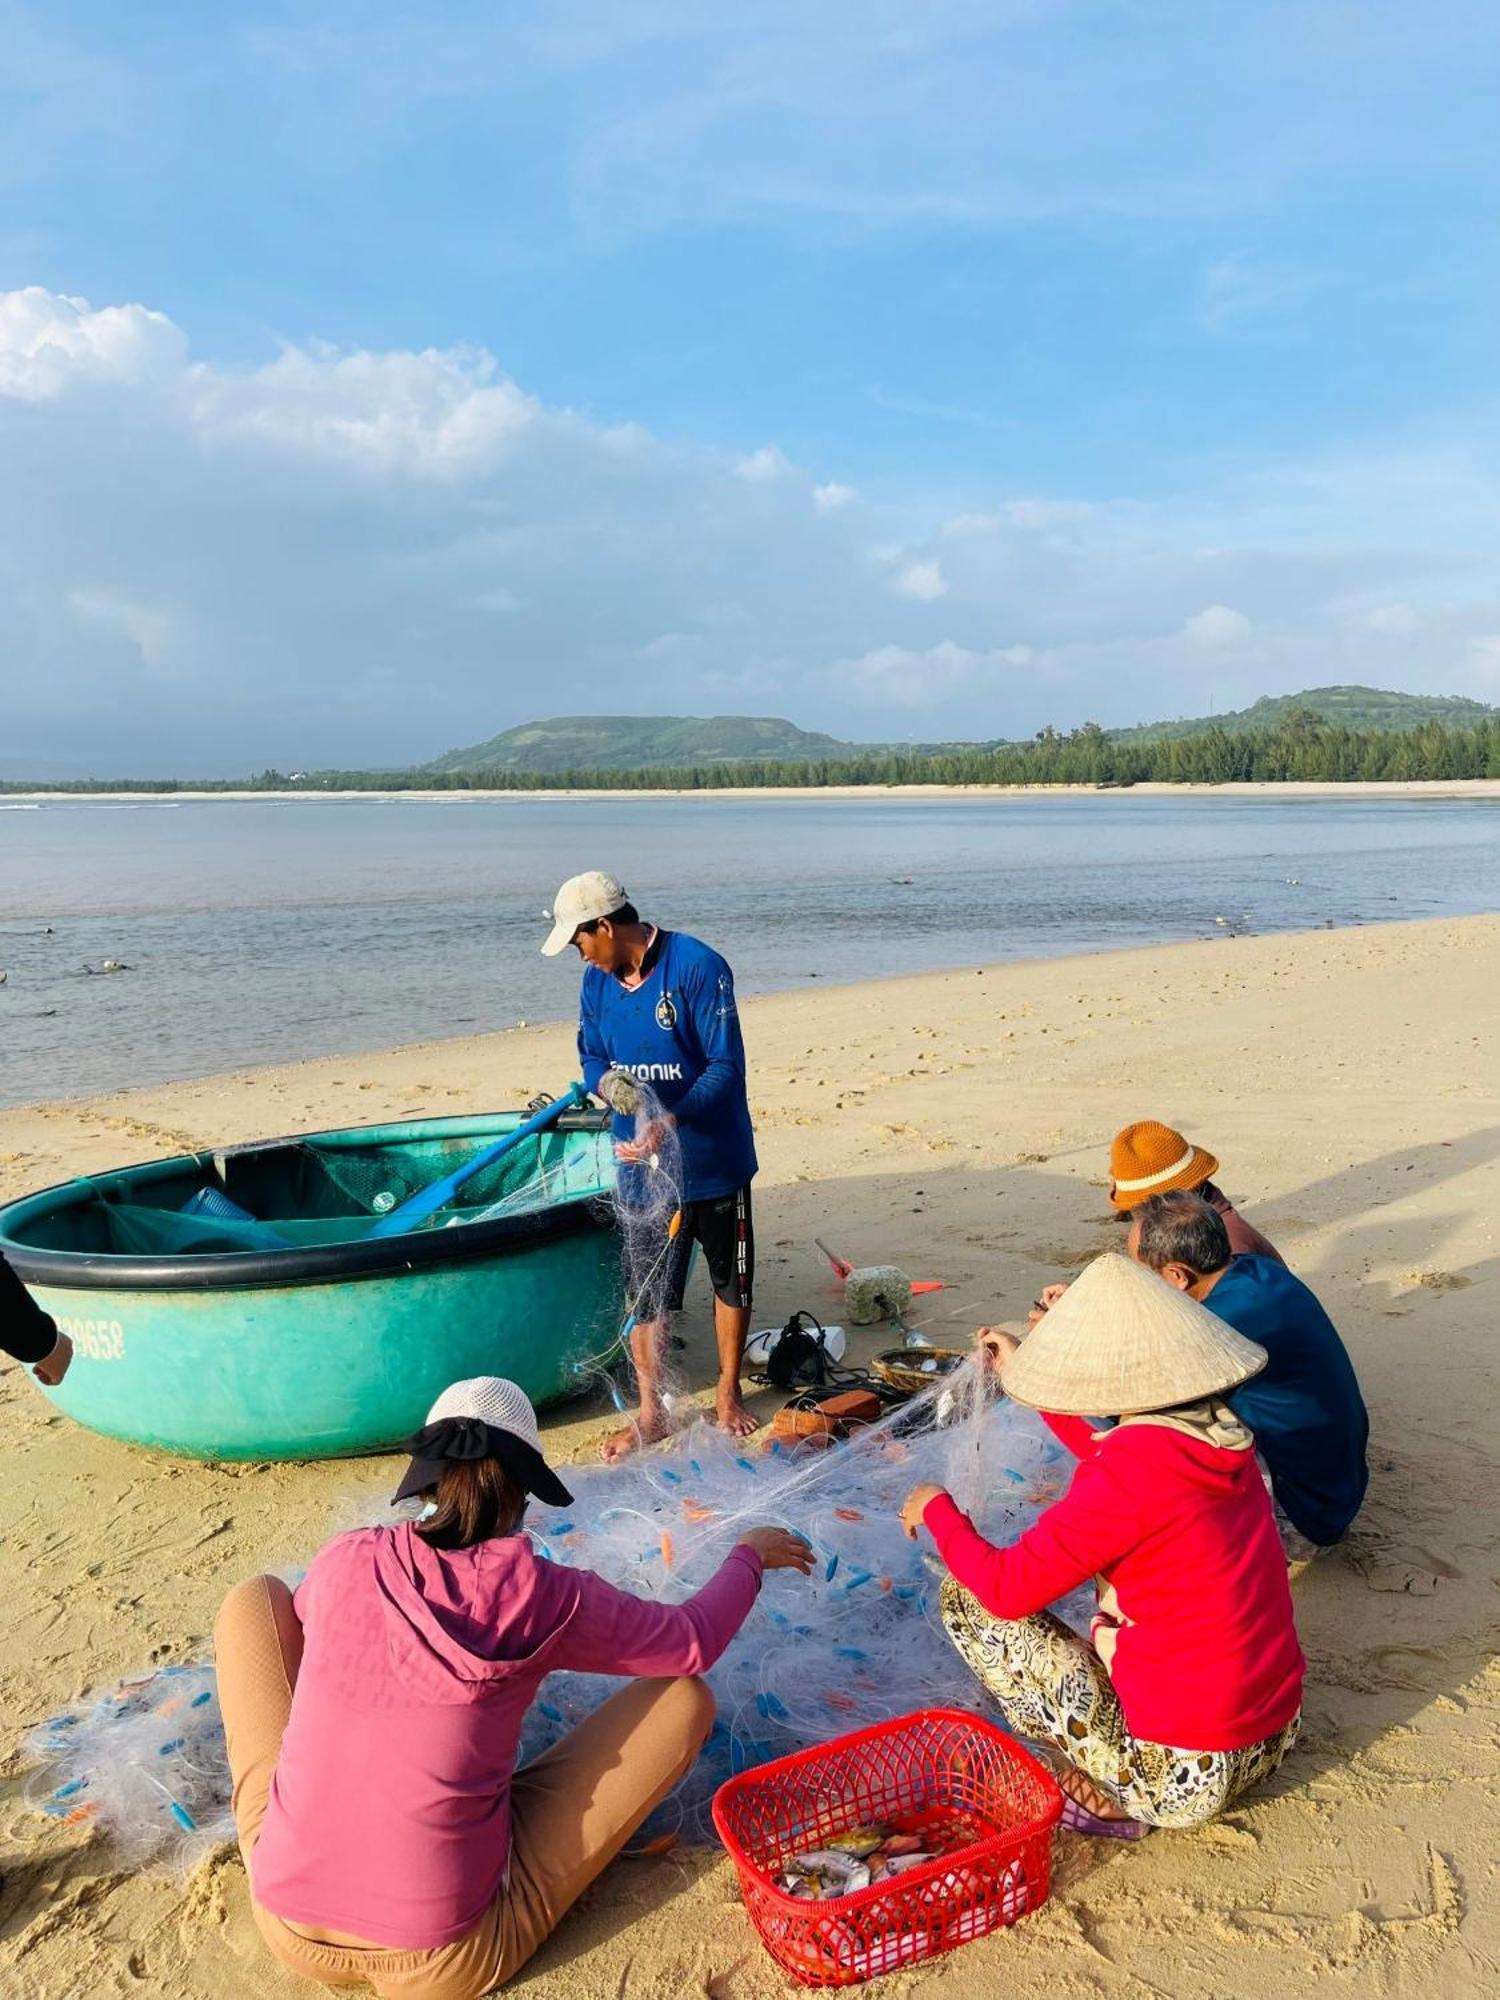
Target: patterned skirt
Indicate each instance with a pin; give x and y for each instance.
(1053, 1689)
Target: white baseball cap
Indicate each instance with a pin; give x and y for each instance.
(580, 900)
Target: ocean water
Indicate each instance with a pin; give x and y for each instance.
(265, 930)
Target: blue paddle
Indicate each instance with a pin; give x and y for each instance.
(428, 1200)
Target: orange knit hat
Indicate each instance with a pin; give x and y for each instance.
(1149, 1158)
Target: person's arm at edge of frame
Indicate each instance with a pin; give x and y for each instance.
(30, 1335)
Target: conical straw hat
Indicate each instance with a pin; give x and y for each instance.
(1122, 1339)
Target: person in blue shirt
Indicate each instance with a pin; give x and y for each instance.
(1305, 1408)
(657, 1009)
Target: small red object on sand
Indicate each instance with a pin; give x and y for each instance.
(841, 1265)
(982, 1805)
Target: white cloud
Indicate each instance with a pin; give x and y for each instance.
(358, 557)
(906, 677)
(923, 581)
(763, 465)
(1397, 620)
(1037, 514)
(159, 633)
(49, 342)
(829, 497)
(1218, 626)
(440, 414)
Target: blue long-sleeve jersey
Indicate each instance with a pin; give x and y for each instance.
(1304, 1407)
(678, 1031)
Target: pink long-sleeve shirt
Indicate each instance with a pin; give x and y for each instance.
(1206, 1656)
(389, 1816)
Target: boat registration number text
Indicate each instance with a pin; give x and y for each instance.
(100, 1339)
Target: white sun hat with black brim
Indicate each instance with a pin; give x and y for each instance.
(483, 1417)
(1122, 1341)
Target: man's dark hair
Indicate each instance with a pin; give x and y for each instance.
(1181, 1228)
(626, 914)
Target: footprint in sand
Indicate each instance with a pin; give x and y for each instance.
(1418, 1575)
(1441, 1281)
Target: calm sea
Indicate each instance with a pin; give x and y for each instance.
(261, 931)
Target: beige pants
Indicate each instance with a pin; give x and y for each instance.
(572, 1809)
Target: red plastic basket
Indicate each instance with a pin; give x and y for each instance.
(988, 1806)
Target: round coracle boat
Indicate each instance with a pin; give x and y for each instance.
(268, 1301)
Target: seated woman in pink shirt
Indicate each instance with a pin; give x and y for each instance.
(372, 1721)
(1191, 1690)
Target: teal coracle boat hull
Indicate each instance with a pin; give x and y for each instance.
(232, 1306)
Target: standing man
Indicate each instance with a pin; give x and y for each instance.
(657, 1008)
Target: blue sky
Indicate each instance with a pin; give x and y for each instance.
(372, 378)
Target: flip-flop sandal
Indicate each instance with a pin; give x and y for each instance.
(1078, 1819)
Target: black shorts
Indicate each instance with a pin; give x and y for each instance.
(656, 1274)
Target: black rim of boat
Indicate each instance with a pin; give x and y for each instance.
(320, 1263)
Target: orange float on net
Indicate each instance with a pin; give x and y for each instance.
(848, 1513)
(666, 1549)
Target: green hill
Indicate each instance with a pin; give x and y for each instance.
(682, 742)
(643, 743)
(1350, 707)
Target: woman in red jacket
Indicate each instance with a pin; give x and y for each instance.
(1192, 1688)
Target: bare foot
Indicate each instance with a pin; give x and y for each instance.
(650, 1427)
(1083, 1792)
(731, 1414)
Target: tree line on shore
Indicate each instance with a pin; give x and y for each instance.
(1302, 748)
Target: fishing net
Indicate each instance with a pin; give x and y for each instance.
(655, 1256)
(327, 1193)
(858, 1642)
(544, 1169)
(144, 1765)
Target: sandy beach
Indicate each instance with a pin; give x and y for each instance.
(957, 1124)
(1377, 788)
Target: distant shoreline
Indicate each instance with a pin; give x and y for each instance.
(1291, 788)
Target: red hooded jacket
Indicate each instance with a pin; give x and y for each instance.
(1182, 1530)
